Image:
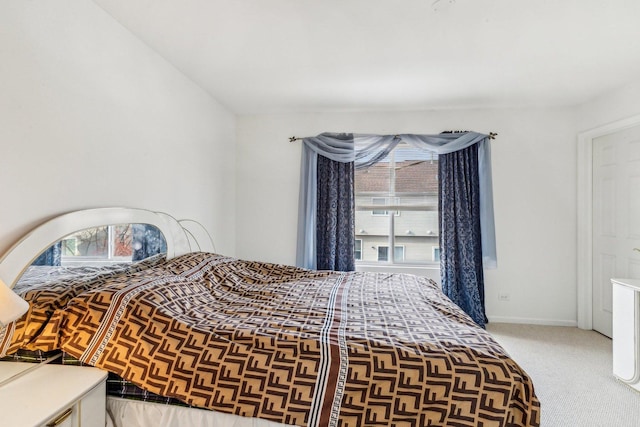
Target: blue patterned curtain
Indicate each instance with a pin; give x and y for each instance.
(335, 225)
(146, 240)
(52, 256)
(460, 237)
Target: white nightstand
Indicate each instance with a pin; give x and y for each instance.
(53, 395)
(626, 331)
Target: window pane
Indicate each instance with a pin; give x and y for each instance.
(121, 241)
(93, 242)
(436, 254)
(398, 254)
(358, 249)
(70, 247)
(383, 253)
(382, 201)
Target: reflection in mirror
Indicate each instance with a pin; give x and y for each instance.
(105, 245)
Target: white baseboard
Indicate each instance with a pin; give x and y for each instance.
(526, 321)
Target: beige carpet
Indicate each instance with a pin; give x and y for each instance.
(572, 376)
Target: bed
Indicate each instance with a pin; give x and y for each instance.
(262, 344)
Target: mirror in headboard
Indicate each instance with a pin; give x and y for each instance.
(108, 244)
(181, 236)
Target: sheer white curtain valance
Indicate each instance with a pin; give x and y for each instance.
(365, 150)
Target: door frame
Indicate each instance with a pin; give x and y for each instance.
(585, 215)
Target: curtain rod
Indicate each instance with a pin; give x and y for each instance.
(492, 135)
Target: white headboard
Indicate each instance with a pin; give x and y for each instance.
(181, 236)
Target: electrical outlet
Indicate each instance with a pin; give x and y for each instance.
(504, 296)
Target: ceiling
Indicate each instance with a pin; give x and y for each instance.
(270, 56)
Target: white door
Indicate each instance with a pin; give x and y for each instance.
(616, 218)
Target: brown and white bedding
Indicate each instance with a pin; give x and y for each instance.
(295, 346)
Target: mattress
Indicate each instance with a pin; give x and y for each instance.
(131, 413)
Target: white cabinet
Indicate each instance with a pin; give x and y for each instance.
(626, 331)
(53, 395)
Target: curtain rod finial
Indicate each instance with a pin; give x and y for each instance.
(292, 139)
(492, 135)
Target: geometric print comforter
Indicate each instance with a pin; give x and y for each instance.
(296, 346)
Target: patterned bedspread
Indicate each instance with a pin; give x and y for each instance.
(295, 346)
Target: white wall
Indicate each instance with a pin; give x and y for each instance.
(86, 109)
(610, 107)
(534, 173)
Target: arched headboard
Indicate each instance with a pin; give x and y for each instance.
(181, 236)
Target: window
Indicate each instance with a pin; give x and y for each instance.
(405, 184)
(358, 250)
(435, 254)
(383, 253)
(99, 245)
(381, 201)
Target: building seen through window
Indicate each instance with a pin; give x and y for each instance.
(397, 206)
